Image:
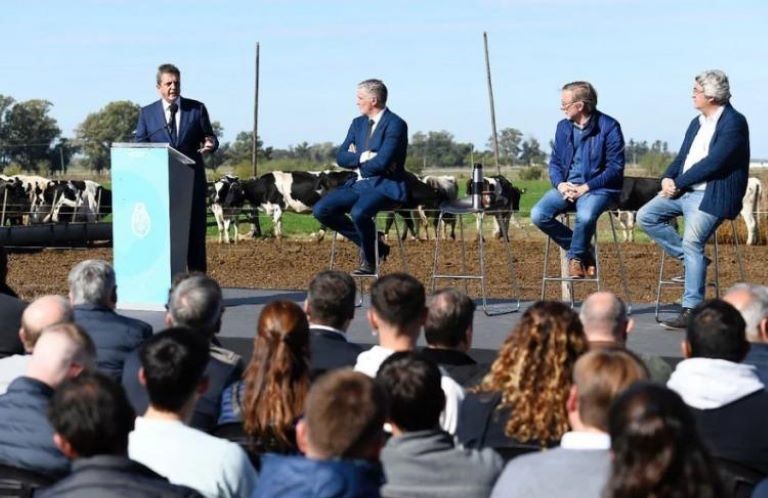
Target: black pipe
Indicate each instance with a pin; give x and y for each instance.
(56, 235)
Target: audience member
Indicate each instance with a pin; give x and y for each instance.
(606, 325)
(448, 331)
(196, 303)
(330, 307)
(520, 405)
(396, 315)
(173, 364)
(266, 404)
(10, 321)
(341, 437)
(656, 448)
(4, 287)
(726, 396)
(752, 302)
(41, 313)
(580, 467)
(421, 459)
(26, 437)
(93, 294)
(91, 418)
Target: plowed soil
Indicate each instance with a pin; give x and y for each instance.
(289, 264)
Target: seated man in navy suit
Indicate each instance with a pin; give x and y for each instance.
(183, 124)
(375, 148)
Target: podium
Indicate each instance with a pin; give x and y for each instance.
(152, 187)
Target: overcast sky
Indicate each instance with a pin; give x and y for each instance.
(641, 55)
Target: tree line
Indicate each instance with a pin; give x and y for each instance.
(31, 138)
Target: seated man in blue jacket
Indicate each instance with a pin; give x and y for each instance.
(375, 148)
(705, 184)
(586, 170)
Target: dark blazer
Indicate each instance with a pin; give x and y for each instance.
(390, 143)
(109, 476)
(725, 169)
(26, 436)
(11, 309)
(459, 366)
(115, 336)
(220, 375)
(194, 126)
(329, 351)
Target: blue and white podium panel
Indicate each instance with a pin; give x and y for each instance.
(151, 205)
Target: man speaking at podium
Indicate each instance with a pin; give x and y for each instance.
(184, 125)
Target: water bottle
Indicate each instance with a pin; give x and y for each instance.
(477, 186)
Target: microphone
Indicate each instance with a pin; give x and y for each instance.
(147, 136)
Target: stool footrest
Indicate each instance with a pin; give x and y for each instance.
(460, 277)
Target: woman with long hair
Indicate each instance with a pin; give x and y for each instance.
(657, 452)
(520, 404)
(269, 399)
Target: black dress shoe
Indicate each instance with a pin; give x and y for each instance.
(364, 270)
(679, 322)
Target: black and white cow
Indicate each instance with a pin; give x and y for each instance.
(14, 201)
(635, 193)
(423, 199)
(39, 194)
(501, 198)
(227, 202)
(75, 200)
(750, 205)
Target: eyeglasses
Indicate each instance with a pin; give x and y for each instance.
(565, 105)
(697, 91)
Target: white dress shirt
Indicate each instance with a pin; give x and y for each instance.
(700, 146)
(167, 111)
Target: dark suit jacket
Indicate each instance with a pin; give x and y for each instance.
(459, 366)
(220, 376)
(330, 350)
(725, 169)
(115, 336)
(390, 143)
(11, 309)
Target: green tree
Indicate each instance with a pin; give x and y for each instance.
(240, 151)
(509, 145)
(28, 131)
(115, 122)
(5, 105)
(437, 148)
(530, 152)
(60, 156)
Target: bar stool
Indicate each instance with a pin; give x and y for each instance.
(714, 283)
(565, 218)
(460, 208)
(360, 279)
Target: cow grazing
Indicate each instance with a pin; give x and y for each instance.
(502, 199)
(750, 205)
(226, 203)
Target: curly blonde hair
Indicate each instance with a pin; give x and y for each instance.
(534, 371)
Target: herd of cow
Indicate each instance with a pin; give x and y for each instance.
(29, 199)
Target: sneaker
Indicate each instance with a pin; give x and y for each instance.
(679, 322)
(364, 271)
(680, 279)
(575, 268)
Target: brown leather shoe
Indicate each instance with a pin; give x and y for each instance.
(575, 268)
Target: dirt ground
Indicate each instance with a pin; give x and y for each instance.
(289, 264)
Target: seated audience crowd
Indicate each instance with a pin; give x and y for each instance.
(94, 404)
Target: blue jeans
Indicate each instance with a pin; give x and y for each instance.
(362, 201)
(588, 209)
(654, 217)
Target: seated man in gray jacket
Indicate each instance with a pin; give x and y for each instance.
(422, 460)
(580, 467)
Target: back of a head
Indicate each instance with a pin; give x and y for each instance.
(62, 351)
(331, 298)
(345, 413)
(174, 362)
(92, 282)
(196, 303)
(716, 330)
(412, 385)
(398, 299)
(534, 370)
(41, 313)
(449, 316)
(752, 302)
(604, 317)
(92, 413)
(600, 376)
(277, 377)
(656, 448)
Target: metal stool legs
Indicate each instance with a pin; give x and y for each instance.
(714, 283)
(598, 267)
(465, 276)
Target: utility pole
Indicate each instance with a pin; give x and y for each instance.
(493, 107)
(255, 136)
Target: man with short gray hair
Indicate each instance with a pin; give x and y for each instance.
(375, 148)
(704, 184)
(752, 302)
(93, 294)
